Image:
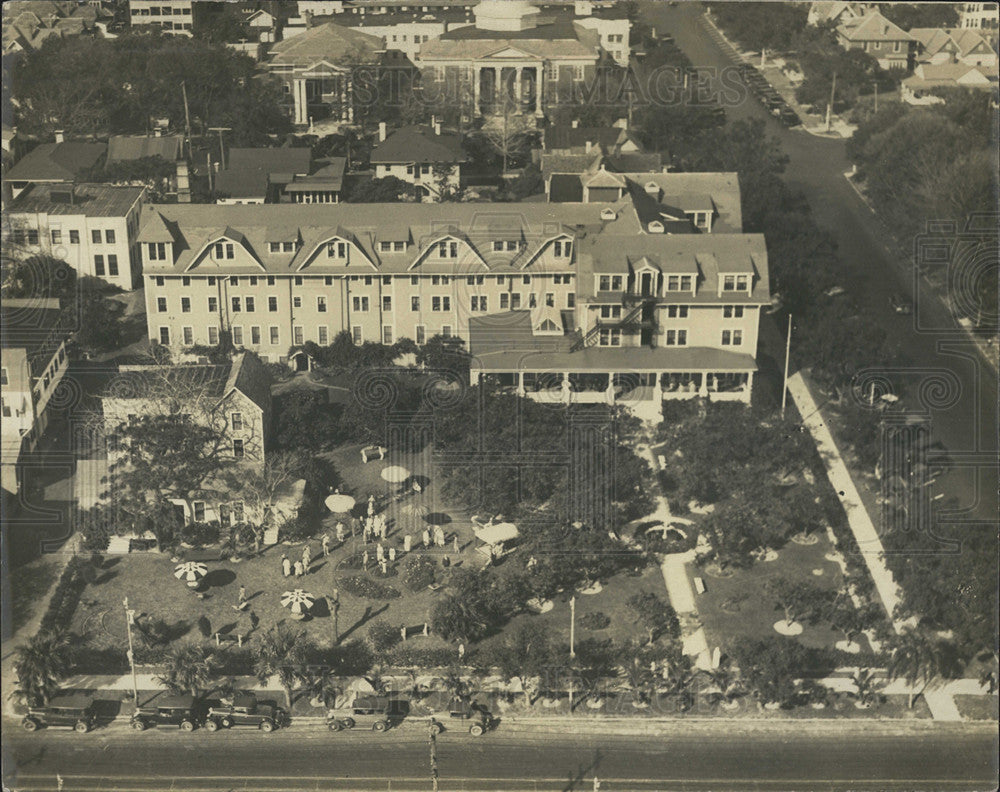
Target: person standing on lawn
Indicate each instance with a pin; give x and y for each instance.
(242, 597)
(326, 545)
(427, 538)
(407, 543)
(299, 569)
(286, 565)
(340, 533)
(306, 558)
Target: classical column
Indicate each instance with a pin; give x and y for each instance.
(657, 388)
(520, 383)
(299, 98)
(610, 392)
(703, 390)
(566, 391)
(518, 96)
(748, 388)
(538, 89)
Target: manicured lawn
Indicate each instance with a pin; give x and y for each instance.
(28, 585)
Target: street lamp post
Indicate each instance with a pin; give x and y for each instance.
(129, 620)
(788, 352)
(572, 626)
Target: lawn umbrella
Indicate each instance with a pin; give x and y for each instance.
(339, 504)
(191, 572)
(395, 474)
(298, 601)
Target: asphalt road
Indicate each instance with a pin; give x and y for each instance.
(964, 421)
(688, 757)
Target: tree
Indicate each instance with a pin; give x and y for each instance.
(849, 619)
(283, 652)
(507, 133)
(770, 666)
(386, 190)
(656, 616)
(262, 488)
(917, 657)
(758, 26)
(797, 600)
(866, 690)
(305, 419)
(724, 684)
(383, 636)
(189, 669)
(40, 665)
(522, 653)
(920, 15)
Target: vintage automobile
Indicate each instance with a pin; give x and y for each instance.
(183, 712)
(479, 718)
(245, 710)
(72, 711)
(375, 712)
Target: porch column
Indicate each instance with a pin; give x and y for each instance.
(476, 78)
(611, 388)
(657, 389)
(517, 88)
(703, 390)
(520, 383)
(748, 388)
(299, 98)
(538, 89)
(566, 392)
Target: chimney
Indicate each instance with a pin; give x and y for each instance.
(437, 127)
(652, 33)
(60, 136)
(575, 123)
(381, 130)
(587, 150)
(156, 132)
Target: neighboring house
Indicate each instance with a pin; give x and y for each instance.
(27, 24)
(169, 148)
(514, 57)
(425, 156)
(593, 175)
(233, 400)
(979, 16)
(574, 139)
(637, 290)
(885, 41)
(62, 162)
(173, 17)
(835, 13)
(953, 45)
(33, 363)
(315, 69)
(919, 88)
(263, 24)
(92, 227)
(323, 185)
(260, 175)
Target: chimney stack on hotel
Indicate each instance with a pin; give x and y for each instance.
(381, 130)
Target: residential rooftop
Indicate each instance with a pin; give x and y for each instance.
(57, 161)
(90, 200)
(133, 147)
(419, 143)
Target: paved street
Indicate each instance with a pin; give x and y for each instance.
(967, 426)
(691, 755)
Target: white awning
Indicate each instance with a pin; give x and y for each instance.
(495, 534)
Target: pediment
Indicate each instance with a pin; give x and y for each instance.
(511, 53)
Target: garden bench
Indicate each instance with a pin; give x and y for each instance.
(419, 629)
(699, 585)
(236, 638)
(370, 452)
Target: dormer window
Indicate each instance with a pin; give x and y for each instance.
(683, 283)
(225, 250)
(157, 251)
(611, 282)
(656, 227)
(736, 283)
(561, 248)
(447, 249)
(336, 250)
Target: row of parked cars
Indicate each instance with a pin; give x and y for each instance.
(767, 95)
(378, 713)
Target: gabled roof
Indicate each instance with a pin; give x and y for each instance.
(562, 39)
(330, 42)
(604, 178)
(567, 136)
(250, 170)
(418, 143)
(155, 229)
(133, 147)
(873, 27)
(249, 376)
(329, 177)
(57, 161)
(962, 40)
(944, 75)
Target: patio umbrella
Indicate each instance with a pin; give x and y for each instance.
(298, 601)
(395, 474)
(191, 572)
(340, 503)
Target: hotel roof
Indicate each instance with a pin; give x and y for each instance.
(636, 359)
(91, 200)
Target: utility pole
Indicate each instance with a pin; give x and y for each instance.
(572, 626)
(788, 352)
(432, 737)
(829, 107)
(208, 164)
(222, 150)
(187, 118)
(129, 619)
(336, 608)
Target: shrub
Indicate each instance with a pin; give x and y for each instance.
(595, 621)
(279, 371)
(369, 589)
(383, 636)
(422, 656)
(67, 595)
(197, 533)
(90, 660)
(419, 572)
(299, 527)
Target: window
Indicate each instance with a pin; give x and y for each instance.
(360, 304)
(99, 265)
(224, 250)
(95, 236)
(732, 311)
(399, 247)
(112, 264)
(250, 305)
(356, 335)
(610, 337)
(161, 304)
(158, 280)
(56, 237)
(385, 247)
(213, 335)
(211, 280)
(199, 511)
(323, 335)
(735, 283)
(386, 334)
(611, 312)
(504, 301)
(677, 337)
(515, 301)
(234, 280)
(238, 452)
(32, 236)
(611, 283)
(157, 250)
(328, 280)
(561, 248)
(497, 246)
(552, 72)
(336, 250)
(732, 337)
(185, 280)
(298, 280)
(109, 236)
(272, 304)
(273, 247)
(386, 302)
(298, 337)
(237, 303)
(3, 376)
(253, 280)
(578, 73)
(441, 303)
(275, 336)
(571, 300)
(321, 303)
(414, 303)
(897, 46)
(414, 280)
(296, 302)
(270, 280)
(185, 305)
(446, 331)
(448, 249)
(532, 300)
(74, 239)
(679, 282)
(255, 335)
(479, 303)
(287, 247)
(187, 336)
(677, 312)
(237, 335)
(368, 280)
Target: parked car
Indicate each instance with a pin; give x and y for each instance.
(900, 304)
(789, 117)
(72, 712)
(245, 710)
(375, 712)
(183, 712)
(479, 718)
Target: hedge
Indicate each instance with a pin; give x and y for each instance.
(66, 596)
(367, 588)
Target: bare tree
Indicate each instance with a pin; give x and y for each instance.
(507, 132)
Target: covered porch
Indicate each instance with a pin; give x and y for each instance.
(516, 85)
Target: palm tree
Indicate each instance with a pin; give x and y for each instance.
(724, 686)
(189, 669)
(321, 684)
(917, 657)
(866, 688)
(283, 653)
(40, 665)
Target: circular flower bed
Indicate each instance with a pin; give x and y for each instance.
(595, 621)
(369, 589)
